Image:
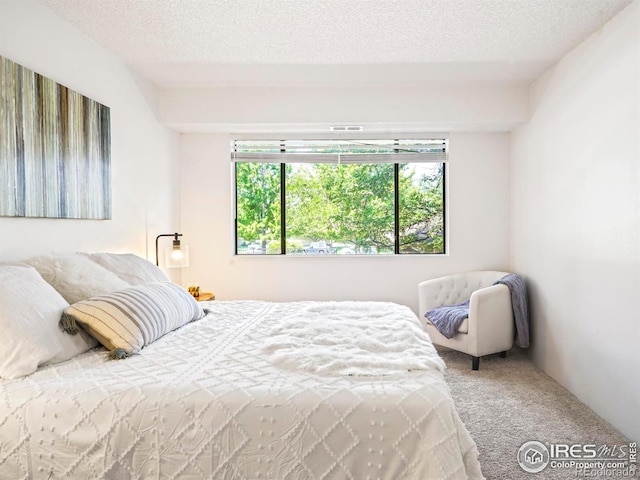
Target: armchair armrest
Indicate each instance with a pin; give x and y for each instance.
(491, 325)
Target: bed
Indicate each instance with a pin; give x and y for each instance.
(245, 392)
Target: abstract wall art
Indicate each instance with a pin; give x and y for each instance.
(55, 149)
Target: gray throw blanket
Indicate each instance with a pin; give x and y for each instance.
(520, 306)
(448, 319)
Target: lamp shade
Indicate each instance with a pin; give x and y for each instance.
(177, 255)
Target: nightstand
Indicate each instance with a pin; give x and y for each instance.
(204, 296)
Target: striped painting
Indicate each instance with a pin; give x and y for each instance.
(55, 149)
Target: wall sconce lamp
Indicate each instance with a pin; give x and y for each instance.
(176, 256)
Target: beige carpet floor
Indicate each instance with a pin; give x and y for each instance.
(509, 402)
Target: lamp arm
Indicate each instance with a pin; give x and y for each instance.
(176, 235)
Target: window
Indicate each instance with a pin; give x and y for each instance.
(342, 197)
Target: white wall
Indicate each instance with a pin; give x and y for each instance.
(576, 220)
(237, 109)
(478, 211)
(144, 153)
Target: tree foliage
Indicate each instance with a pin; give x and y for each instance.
(422, 211)
(258, 201)
(343, 204)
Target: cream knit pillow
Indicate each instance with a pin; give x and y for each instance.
(76, 277)
(129, 267)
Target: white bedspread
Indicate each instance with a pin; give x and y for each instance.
(207, 401)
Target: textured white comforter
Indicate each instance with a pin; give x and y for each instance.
(210, 401)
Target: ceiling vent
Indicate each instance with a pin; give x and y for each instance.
(346, 128)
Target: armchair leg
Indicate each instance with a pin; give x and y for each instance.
(503, 354)
(475, 363)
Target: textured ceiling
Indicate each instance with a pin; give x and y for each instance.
(300, 42)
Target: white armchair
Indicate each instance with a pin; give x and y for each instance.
(490, 326)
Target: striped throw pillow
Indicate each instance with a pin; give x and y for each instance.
(127, 320)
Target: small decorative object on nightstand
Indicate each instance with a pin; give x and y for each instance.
(194, 289)
(204, 296)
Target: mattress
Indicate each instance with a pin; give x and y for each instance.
(210, 400)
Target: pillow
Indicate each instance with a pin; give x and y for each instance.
(76, 277)
(131, 268)
(127, 320)
(29, 312)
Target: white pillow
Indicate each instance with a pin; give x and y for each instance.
(131, 268)
(127, 320)
(76, 277)
(29, 333)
